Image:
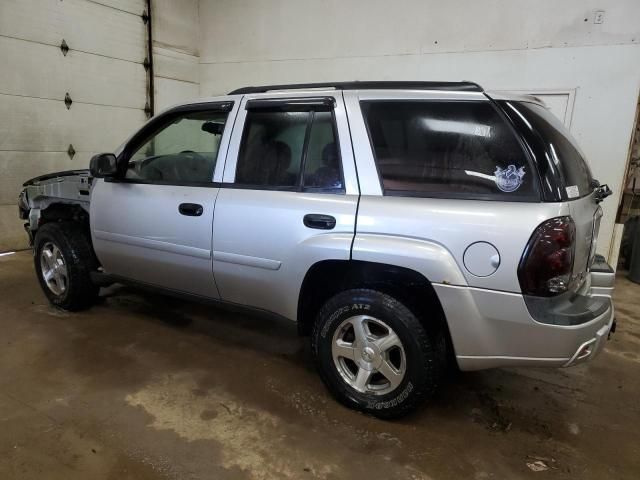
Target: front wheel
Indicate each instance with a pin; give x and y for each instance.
(374, 354)
(64, 261)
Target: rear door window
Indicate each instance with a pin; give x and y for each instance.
(289, 150)
(452, 149)
(271, 153)
(322, 164)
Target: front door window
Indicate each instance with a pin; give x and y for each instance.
(183, 151)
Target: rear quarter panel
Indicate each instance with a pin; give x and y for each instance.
(445, 226)
(441, 230)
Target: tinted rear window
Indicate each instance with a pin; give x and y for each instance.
(289, 150)
(454, 149)
(562, 166)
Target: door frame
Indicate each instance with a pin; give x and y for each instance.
(342, 131)
(229, 104)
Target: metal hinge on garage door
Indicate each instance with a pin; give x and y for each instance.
(148, 63)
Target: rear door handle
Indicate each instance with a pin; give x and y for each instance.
(190, 209)
(319, 221)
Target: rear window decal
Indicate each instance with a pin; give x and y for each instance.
(573, 191)
(509, 179)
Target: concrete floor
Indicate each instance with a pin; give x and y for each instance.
(143, 387)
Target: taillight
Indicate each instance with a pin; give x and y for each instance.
(547, 262)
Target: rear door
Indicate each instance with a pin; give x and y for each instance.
(288, 198)
(154, 225)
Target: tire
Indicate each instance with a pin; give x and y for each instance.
(418, 361)
(64, 261)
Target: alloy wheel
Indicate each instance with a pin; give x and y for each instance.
(369, 355)
(54, 268)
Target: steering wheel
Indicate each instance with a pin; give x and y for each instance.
(148, 169)
(183, 167)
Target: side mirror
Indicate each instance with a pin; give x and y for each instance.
(103, 165)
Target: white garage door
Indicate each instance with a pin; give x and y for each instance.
(102, 73)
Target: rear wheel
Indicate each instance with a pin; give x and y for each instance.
(375, 355)
(64, 261)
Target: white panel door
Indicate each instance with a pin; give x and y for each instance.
(560, 104)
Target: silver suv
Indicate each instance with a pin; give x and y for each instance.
(403, 225)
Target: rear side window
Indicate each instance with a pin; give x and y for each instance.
(289, 150)
(452, 149)
(562, 165)
(271, 151)
(322, 165)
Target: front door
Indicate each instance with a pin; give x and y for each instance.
(154, 224)
(288, 198)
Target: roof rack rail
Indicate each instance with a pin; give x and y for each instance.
(367, 85)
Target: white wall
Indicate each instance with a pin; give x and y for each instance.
(501, 44)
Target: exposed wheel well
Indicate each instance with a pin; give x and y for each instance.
(66, 212)
(327, 278)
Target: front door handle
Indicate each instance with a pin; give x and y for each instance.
(319, 221)
(190, 209)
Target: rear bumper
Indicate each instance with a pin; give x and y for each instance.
(594, 346)
(602, 278)
(495, 329)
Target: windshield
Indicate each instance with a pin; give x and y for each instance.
(563, 170)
